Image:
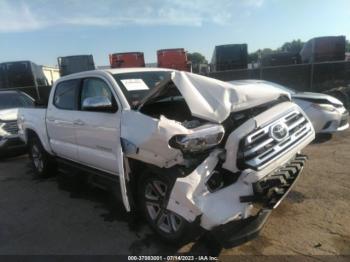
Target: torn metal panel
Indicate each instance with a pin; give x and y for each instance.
(182, 198)
(150, 144)
(191, 198)
(147, 138)
(214, 100)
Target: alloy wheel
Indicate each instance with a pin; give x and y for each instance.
(37, 158)
(155, 197)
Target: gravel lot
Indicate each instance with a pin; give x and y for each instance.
(61, 216)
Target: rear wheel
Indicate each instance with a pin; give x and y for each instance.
(154, 193)
(40, 159)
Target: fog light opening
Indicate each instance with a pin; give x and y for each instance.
(215, 182)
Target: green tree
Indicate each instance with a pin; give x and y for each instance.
(294, 47)
(255, 56)
(196, 58)
(347, 46)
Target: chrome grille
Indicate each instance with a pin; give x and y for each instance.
(261, 147)
(11, 127)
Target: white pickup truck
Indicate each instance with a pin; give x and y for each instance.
(186, 150)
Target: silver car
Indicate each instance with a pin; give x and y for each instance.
(327, 114)
(10, 101)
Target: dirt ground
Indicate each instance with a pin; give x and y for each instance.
(314, 218)
(61, 216)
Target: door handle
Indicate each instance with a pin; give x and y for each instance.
(79, 122)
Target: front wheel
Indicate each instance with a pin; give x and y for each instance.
(40, 159)
(154, 191)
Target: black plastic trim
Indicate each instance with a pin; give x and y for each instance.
(238, 232)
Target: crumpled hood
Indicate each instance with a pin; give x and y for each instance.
(317, 97)
(214, 100)
(9, 114)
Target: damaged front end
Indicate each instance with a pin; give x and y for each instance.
(239, 155)
(267, 195)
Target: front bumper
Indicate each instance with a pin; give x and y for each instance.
(268, 192)
(344, 122)
(336, 123)
(9, 145)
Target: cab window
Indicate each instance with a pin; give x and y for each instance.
(66, 94)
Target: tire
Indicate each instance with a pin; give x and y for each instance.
(153, 195)
(41, 163)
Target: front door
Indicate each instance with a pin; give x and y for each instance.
(98, 135)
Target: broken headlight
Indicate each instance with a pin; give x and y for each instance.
(201, 138)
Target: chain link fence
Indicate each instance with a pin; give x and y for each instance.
(317, 77)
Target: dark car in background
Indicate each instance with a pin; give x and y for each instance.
(10, 101)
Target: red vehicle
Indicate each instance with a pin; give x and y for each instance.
(130, 59)
(173, 58)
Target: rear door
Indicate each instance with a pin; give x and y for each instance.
(60, 119)
(98, 135)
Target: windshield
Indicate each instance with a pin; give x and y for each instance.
(13, 100)
(137, 85)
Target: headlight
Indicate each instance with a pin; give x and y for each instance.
(325, 107)
(202, 138)
(335, 101)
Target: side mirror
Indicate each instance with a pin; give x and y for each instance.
(98, 103)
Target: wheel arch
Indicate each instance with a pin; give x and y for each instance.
(138, 170)
(31, 133)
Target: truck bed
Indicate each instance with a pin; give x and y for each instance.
(33, 119)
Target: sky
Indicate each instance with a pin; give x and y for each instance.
(42, 30)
